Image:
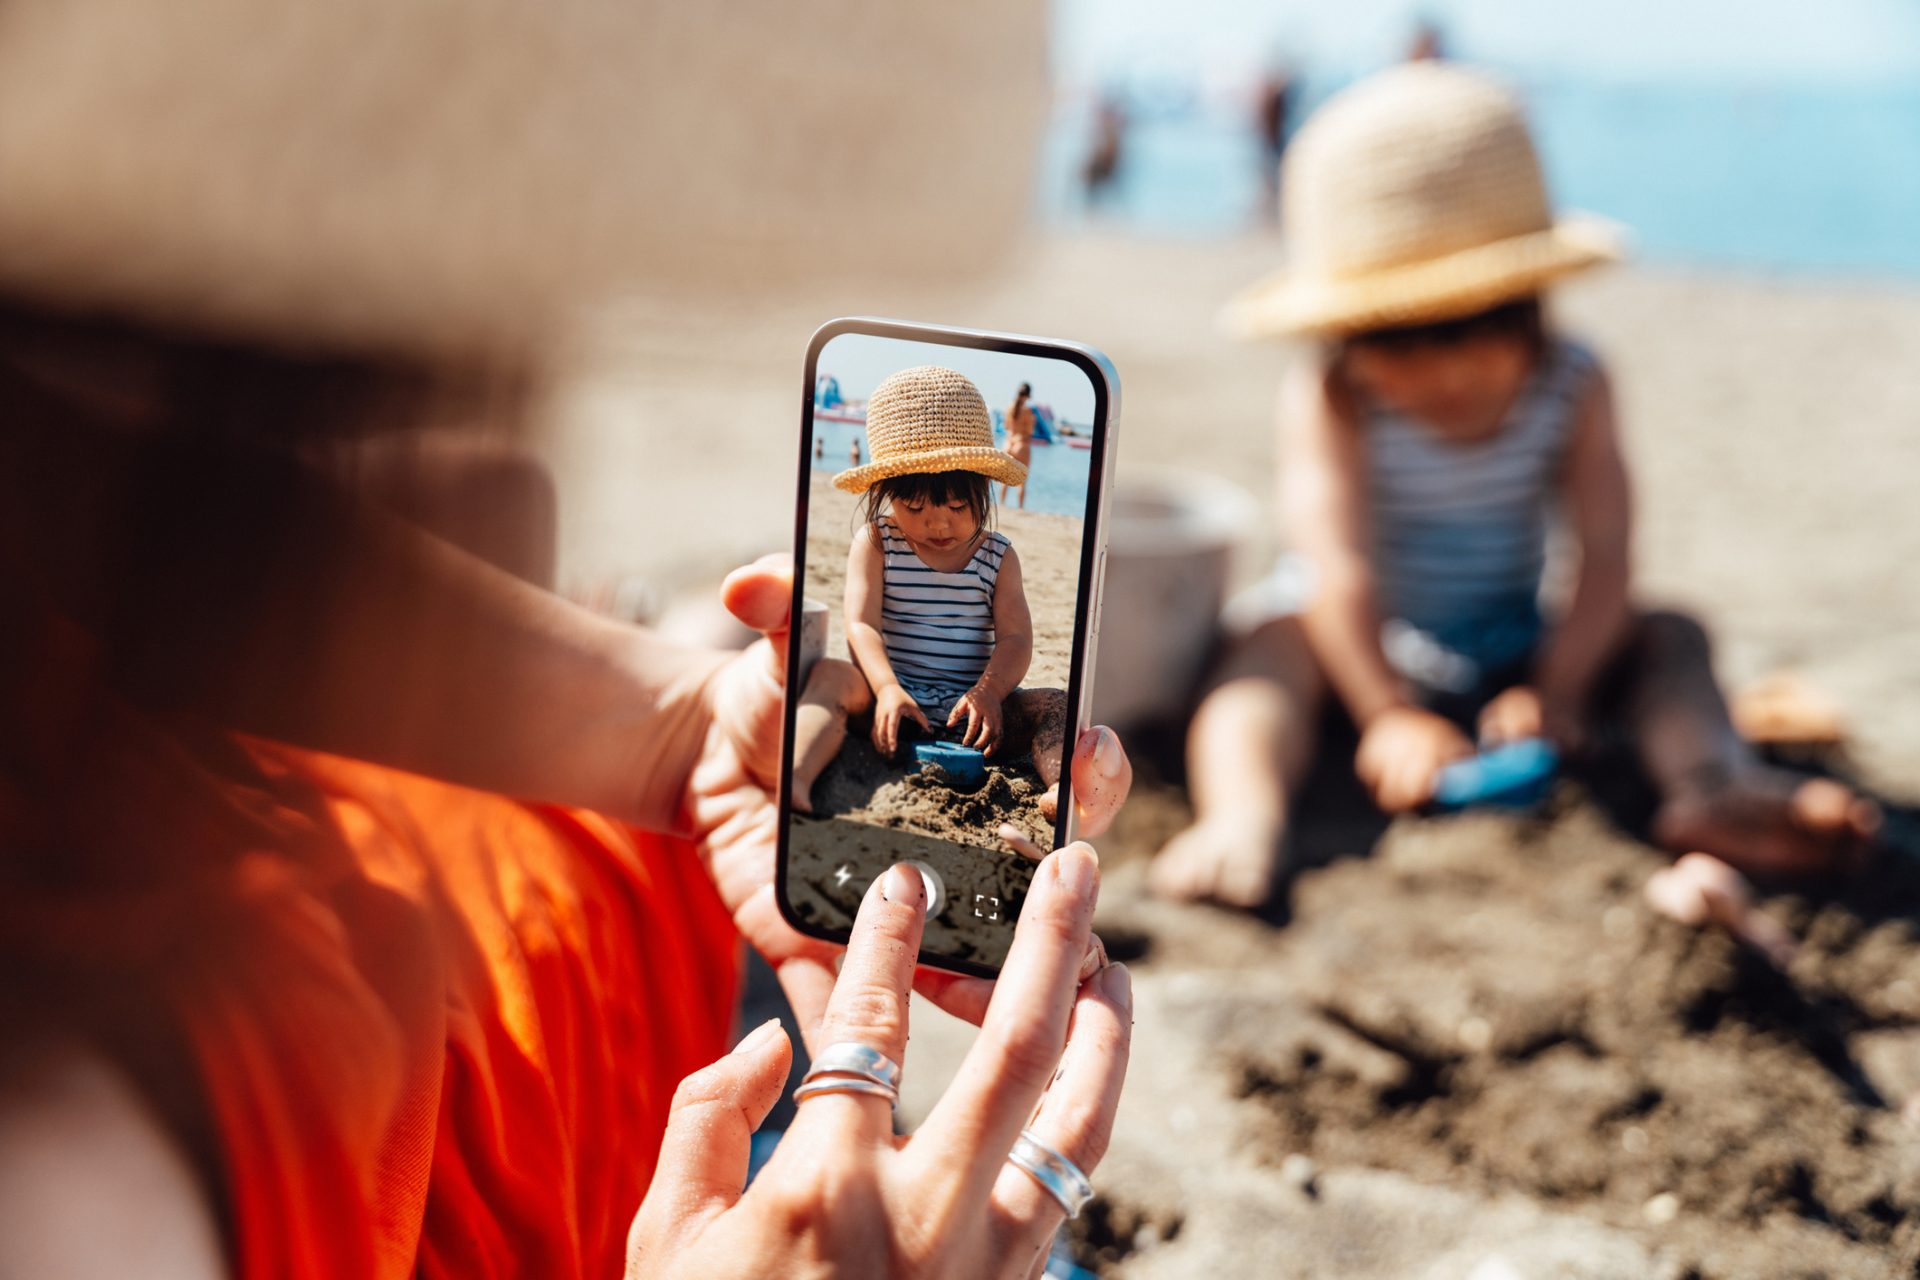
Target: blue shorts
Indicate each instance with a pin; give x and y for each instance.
(1467, 662)
(936, 700)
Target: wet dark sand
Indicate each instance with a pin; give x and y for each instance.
(1486, 1004)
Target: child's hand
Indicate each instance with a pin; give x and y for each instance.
(982, 710)
(1400, 753)
(1514, 715)
(889, 706)
(1523, 712)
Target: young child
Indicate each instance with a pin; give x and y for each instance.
(1443, 425)
(936, 616)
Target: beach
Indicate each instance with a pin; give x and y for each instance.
(1474, 1048)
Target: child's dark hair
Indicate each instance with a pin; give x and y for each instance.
(939, 487)
(1523, 319)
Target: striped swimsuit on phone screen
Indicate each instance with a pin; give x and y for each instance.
(938, 627)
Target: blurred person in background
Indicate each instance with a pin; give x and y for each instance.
(1427, 44)
(1020, 422)
(1428, 451)
(362, 902)
(1271, 109)
(1102, 166)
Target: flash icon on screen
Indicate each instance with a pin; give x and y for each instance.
(844, 874)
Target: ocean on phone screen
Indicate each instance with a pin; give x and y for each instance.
(1057, 472)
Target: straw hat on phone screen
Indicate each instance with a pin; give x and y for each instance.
(927, 420)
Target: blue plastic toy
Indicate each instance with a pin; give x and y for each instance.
(963, 764)
(1514, 776)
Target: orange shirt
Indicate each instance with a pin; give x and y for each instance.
(430, 1030)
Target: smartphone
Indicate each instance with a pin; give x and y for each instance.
(949, 551)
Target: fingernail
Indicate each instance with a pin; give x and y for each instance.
(759, 1037)
(903, 884)
(1094, 960)
(1116, 984)
(1108, 757)
(1078, 871)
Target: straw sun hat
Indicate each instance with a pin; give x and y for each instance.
(1414, 197)
(464, 177)
(925, 420)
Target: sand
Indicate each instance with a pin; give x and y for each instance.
(1485, 1004)
(1471, 1052)
(861, 786)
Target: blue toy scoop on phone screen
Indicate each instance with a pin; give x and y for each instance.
(964, 765)
(1515, 775)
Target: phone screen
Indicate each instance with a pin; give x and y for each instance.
(947, 561)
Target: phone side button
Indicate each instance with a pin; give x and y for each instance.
(1099, 587)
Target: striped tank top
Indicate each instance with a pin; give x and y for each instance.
(938, 627)
(1460, 531)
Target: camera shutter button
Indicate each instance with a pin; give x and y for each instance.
(936, 886)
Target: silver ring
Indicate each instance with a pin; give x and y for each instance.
(841, 1084)
(1058, 1176)
(851, 1058)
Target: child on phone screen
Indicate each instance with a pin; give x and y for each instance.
(1443, 429)
(936, 615)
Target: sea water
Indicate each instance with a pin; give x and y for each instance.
(1798, 177)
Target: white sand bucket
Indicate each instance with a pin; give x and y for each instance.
(815, 619)
(1171, 537)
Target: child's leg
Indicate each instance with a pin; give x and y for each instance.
(1248, 751)
(1716, 795)
(835, 690)
(1035, 721)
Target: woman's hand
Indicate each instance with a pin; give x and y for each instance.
(842, 1196)
(891, 704)
(1402, 751)
(732, 771)
(982, 709)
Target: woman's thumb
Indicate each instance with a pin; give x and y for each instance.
(703, 1156)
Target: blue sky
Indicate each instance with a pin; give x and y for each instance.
(1765, 41)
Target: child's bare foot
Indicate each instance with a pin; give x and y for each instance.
(1233, 860)
(1773, 822)
(800, 796)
